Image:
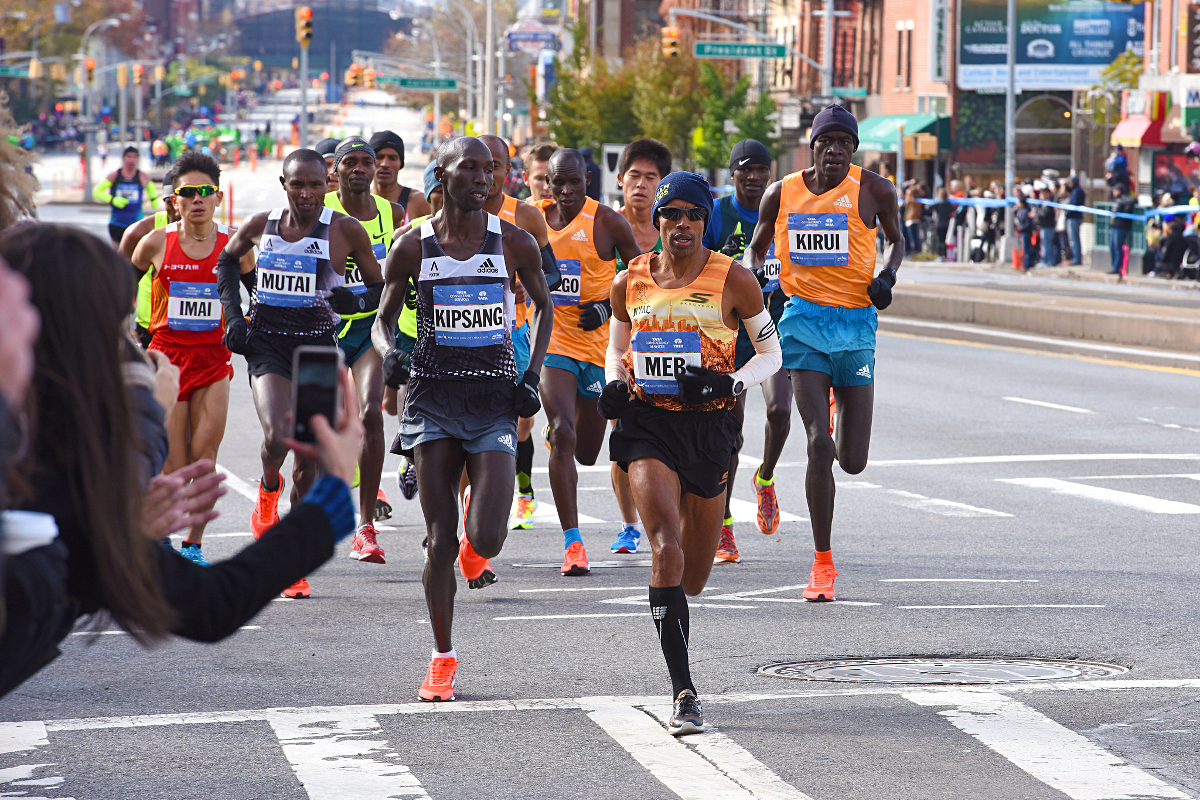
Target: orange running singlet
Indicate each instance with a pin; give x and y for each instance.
(827, 253)
(676, 328)
(586, 278)
(185, 308)
(508, 213)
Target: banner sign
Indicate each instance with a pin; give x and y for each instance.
(1061, 44)
(939, 48)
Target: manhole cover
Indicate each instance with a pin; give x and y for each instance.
(941, 670)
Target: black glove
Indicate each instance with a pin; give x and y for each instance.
(395, 368)
(700, 384)
(594, 314)
(880, 290)
(526, 402)
(613, 400)
(237, 336)
(735, 245)
(761, 275)
(345, 302)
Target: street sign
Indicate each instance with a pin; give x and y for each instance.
(139, 123)
(88, 127)
(421, 84)
(534, 41)
(821, 100)
(14, 72)
(849, 91)
(738, 50)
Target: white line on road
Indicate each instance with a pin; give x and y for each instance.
(958, 580)
(640, 600)
(943, 508)
(246, 490)
(1191, 476)
(1025, 605)
(1044, 404)
(1055, 755)
(584, 589)
(593, 564)
(1141, 502)
(572, 616)
(1033, 459)
(116, 632)
(745, 511)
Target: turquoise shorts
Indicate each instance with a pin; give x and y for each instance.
(520, 339)
(588, 376)
(837, 341)
(354, 338)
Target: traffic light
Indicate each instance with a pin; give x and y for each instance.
(138, 69)
(58, 72)
(35, 69)
(258, 66)
(670, 41)
(122, 76)
(160, 72)
(368, 77)
(304, 29)
(89, 66)
(354, 75)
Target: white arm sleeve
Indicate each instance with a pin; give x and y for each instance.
(768, 356)
(618, 343)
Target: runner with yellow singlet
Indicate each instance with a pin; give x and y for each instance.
(354, 166)
(671, 387)
(587, 238)
(640, 169)
(129, 242)
(389, 160)
(822, 222)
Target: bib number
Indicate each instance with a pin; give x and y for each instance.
(772, 266)
(469, 315)
(354, 280)
(658, 357)
(193, 307)
(567, 293)
(819, 240)
(289, 281)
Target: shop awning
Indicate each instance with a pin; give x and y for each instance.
(1138, 132)
(1172, 129)
(882, 133)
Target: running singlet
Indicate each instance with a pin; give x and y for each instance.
(185, 308)
(131, 189)
(508, 213)
(585, 278)
(142, 308)
(676, 328)
(380, 230)
(464, 312)
(294, 281)
(827, 253)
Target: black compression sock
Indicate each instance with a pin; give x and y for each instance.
(525, 465)
(669, 608)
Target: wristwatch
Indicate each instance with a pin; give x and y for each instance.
(738, 386)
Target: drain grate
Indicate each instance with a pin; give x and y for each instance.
(962, 671)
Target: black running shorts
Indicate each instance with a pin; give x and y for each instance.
(696, 445)
(272, 353)
(479, 414)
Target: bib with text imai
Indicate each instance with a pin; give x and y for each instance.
(193, 307)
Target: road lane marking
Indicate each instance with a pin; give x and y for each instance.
(571, 616)
(117, 632)
(1141, 502)
(640, 600)
(943, 508)
(1023, 605)
(245, 489)
(1033, 459)
(593, 564)
(745, 511)
(22, 737)
(755, 596)
(958, 580)
(583, 589)
(1055, 755)
(1044, 404)
(1191, 476)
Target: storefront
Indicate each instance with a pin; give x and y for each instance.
(879, 141)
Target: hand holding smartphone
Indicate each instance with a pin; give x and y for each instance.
(316, 388)
(337, 433)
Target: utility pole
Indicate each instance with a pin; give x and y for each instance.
(304, 34)
(489, 69)
(1010, 130)
(827, 50)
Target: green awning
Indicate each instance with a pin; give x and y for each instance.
(881, 133)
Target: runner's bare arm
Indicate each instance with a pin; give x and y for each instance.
(755, 256)
(887, 211)
(134, 234)
(527, 262)
(150, 250)
(347, 237)
(617, 227)
(743, 295)
(397, 217)
(618, 330)
(403, 264)
(230, 268)
(246, 237)
(530, 219)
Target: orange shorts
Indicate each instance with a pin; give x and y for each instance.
(199, 365)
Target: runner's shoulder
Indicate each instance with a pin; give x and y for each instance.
(516, 237)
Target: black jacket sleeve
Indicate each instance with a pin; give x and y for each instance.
(229, 273)
(213, 602)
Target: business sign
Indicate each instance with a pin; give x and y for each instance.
(939, 47)
(737, 50)
(1061, 44)
(1192, 31)
(421, 84)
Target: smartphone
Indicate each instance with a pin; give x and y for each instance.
(316, 388)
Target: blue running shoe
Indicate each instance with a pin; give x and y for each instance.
(628, 541)
(192, 553)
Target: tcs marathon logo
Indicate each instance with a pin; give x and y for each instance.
(663, 188)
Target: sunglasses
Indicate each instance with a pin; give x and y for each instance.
(204, 190)
(675, 214)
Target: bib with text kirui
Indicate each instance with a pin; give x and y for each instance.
(659, 356)
(468, 315)
(772, 266)
(288, 280)
(567, 293)
(354, 280)
(193, 307)
(819, 240)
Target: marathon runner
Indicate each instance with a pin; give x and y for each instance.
(129, 242)
(465, 395)
(354, 165)
(587, 238)
(125, 190)
(185, 319)
(642, 165)
(671, 388)
(327, 147)
(298, 295)
(822, 222)
(389, 160)
(537, 172)
(736, 215)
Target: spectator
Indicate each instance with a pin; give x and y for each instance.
(1025, 223)
(1172, 248)
(943, 212)
(1076, 197)
(593, 172)
(1046, 217)
(912, 219)
(1119, 230)
(83, 469)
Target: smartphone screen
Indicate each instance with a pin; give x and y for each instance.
(316, 388)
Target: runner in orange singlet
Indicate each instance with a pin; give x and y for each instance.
(822, 221)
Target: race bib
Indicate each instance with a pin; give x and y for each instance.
(659, 356)
(819, 240)
(772, 266)
(193, 307)
(567, 293)
(354, 280)
(287, 280)
(468, 316)
(129, 191)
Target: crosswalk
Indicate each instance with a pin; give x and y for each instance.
(347, 753)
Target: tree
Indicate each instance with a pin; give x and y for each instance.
(589, 104)
(720, 103)
(665, 97)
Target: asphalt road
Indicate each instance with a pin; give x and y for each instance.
(1017, 505)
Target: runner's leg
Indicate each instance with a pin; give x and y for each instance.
(492, 475)
(368, 378)
(856, 408)
(811, 390)
(739, 412)
(559, 390)
(439, 464)
(273, 400)
(208, 408)
(177, 445)
(777, 392)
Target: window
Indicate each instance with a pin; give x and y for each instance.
(908, 55)
(899, 53)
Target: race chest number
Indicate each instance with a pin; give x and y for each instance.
(354, 279)
(469, 315)
(567, 293)
(193, 307)
(819, 240)
(287, 280)
(772, 267)
(659, 356)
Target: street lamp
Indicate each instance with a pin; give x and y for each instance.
(85, 99)
(472, 37)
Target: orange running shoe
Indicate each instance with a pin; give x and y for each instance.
(832, 411)
(727, 551)
(820, 582)
(768, 505)
(266, 510)
(298, 590)
(365, 548)
(575, 561)
(383, 509)
(475, 568)
(439, 680)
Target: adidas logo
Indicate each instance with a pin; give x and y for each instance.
(506, 440)
(488, 268)
(843, 202)
(865, 372)
(595, 387)
(579, 236)
(313, 249)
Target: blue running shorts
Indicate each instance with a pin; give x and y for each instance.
(520, 339)
(837, 341)
(589, 377)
